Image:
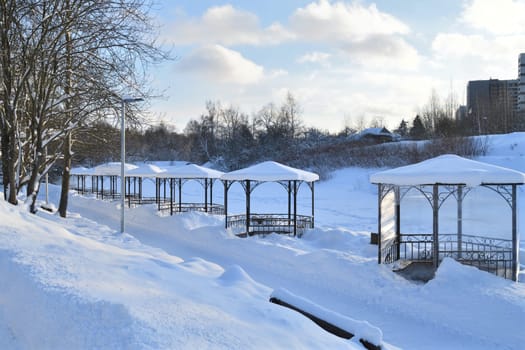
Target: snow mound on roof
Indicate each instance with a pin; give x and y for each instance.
(145, 170)
(191, 171)
(449, 169)
(112, 169)
(270, 171)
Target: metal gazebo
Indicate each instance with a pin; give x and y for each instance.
(262, 223)
(437, 180)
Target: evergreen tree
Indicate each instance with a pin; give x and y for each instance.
(402, 129)
(417, 131)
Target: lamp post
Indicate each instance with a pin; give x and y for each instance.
(124, 100)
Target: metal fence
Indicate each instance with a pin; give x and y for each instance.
(270, 223)
(488, 254)
(176, 207)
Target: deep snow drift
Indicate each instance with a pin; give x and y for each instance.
(184, 282)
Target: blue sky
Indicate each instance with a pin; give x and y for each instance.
(344, 61)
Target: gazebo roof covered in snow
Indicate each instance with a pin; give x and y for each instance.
(145, 170)
(191, 171)
(270, 171)
(81, 171)
(449, 170)
(111, 169)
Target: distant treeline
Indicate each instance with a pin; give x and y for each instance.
(230, 139)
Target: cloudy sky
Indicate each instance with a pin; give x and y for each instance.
(342, 60)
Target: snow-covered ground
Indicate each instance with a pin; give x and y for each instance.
(184, 282)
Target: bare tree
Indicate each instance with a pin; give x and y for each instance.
(64, 64)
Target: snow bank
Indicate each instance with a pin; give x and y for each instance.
(35, 316)
(76, 284)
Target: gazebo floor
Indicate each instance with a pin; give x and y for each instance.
(263, 233)
(417, 271)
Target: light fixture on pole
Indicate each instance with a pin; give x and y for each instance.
(124, 100)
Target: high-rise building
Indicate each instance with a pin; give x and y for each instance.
(521, 87)
(492, 105)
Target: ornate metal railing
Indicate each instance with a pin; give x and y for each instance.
(134, 200)
(175, 207)
(489, 254)
(389, 251)
(416, 247)
(270, 223)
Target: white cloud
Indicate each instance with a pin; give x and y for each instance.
(220, 64)
(476, 56)
(341, 22)
(314, 57)
(497, 17)
(490, 48)
(386, 52)
(367, 35)
(226, 25)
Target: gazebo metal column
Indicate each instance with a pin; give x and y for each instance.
(140, 189)
(247, 190)
(435, 226)
(211, 193)
(312, 189)
(180, 195)
(379, 200)
(515, 237)
(295, 207)
(205, 195)
(172, 194)
(226, 187)
(157, 192)
(460, 220)
(397, 194)
(289, 190)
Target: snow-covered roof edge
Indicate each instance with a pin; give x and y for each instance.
(191, 171)
(270, 171)
(146, 170)
(448, 169)
(112, 169)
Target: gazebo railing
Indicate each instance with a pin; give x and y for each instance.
(270, 223)
(134, 200)
(176, 207)
(488, 254)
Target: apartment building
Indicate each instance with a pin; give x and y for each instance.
(496, 106)
(491, 105)
(521, 87)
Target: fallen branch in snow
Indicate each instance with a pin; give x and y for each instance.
(370, 336)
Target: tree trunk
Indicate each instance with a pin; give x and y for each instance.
(62, 208)
(5, 169)
(12, 158)
(33, 186)
(64, 191)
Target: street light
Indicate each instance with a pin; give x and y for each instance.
(124, 100)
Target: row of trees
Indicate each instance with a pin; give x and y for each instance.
(232, 139)
(223, 134)
(63, 66)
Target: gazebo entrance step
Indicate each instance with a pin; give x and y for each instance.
(418, 271)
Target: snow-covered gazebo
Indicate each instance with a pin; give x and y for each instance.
(80, 174)
(134, 181)
(438, 179)
(108, 172)
(290, 178)
(177, 176)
